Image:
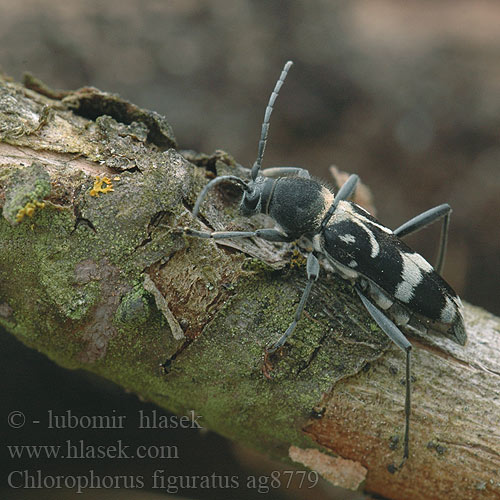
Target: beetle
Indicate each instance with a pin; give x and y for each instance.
(397, 286)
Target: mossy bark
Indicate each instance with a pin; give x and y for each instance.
(96, 274)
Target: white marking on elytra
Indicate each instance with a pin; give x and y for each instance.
(458, 302)
(373, 241)
(345, 212)
(347, 238)
(353, 263)
(359, 207)
(421, 262)
(411, 276)
(375, 247)
(357, 215)
(449, 311)
(404, 291)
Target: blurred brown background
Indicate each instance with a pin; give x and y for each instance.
(406, 94)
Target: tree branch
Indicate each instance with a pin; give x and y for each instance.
(96, 274)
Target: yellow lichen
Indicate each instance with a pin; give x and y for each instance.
(98, 186)
(297, 260)
(29, 209)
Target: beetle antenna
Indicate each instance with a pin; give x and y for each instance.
(214, 182)
(267, 117)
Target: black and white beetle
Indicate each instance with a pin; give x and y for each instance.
(398, 287)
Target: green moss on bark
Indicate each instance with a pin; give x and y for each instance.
(72, 280)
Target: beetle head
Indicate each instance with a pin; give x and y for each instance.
(256, 199)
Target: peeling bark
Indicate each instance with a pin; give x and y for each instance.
(109, 284)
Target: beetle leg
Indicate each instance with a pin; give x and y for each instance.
(344, 193)
(312, 276)
(423, 220)
(265, 234)
(284, 171)
(395, 334)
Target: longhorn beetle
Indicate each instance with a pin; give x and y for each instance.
(398, 287)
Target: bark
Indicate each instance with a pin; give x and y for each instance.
(97, 275)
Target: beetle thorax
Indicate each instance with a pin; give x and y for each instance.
(298, 204)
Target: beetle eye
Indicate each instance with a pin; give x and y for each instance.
(251, 200)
